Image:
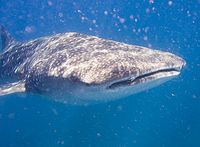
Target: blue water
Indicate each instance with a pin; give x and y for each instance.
(166, 116)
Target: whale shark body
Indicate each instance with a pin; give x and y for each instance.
(77, 68)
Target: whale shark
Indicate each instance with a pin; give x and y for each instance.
(78, 68)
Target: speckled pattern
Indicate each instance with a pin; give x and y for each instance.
(85, 58)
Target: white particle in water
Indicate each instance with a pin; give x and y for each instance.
(105, 12)
(114, 15)
(11, 115)
(122, 20)
(188, 13)
(170, 3)
(131, 17)
(149, 45)
(83, 18)
(98, 134)
(94, 21)
(29, 29)
(50, 3)
(146, 29)
(147, 10)
(119, 108)
(151, 1)
(60, 14)
(17, 131)
(194, 96)
(136, 20)
(145, 38)
(54, 111)
(41, 17)
(62, 142)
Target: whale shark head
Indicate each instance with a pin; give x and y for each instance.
(131, 73)
(145, 69)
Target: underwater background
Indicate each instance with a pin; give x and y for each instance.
(166, 116)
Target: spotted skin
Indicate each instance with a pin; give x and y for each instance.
(83, 59)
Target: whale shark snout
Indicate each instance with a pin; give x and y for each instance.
(162, 67)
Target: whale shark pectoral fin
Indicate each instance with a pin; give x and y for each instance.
(5, 39)
(10, 88)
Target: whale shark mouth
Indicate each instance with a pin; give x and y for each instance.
(150, 76)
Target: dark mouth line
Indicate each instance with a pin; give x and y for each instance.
(130, 81)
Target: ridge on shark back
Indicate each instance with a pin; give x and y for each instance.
(77, 68)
